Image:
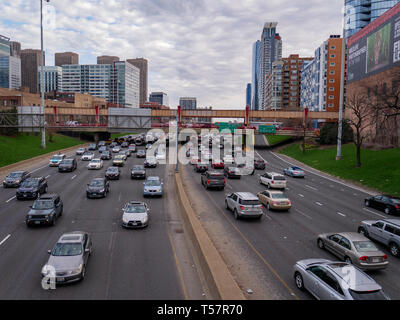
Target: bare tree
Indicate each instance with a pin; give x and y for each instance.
(361, 116)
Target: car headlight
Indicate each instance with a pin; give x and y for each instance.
(77, 270)
(146, 190)
(102, 190)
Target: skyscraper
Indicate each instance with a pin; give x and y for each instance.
(62, 58)
(10, 64)
(248, 94)
(255, 77)
(159, 97)
(30, 62)
(188, 103)
(270, 51)
(142, 64)
(358, 14)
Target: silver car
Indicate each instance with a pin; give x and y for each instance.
(69, 257)
(355, 249)
(135, 215)
(328, 280)
(244, 204)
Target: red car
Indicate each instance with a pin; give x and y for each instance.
(218, 165)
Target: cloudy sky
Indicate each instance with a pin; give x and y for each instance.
(199, 48)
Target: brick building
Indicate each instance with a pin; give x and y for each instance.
(63, 58)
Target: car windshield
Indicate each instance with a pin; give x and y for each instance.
(97, 183)
(119, 157)
(95, 161)
(296, 168)
(278, 196)
(135, 208)
(81, 149)
(87, 153)
(42, 205)
(279, 178)
(138, 168)
(56, 158)
(365, 246)
(112, 169)
(368, 295)
(152, 183)
(69, 161)
(67, 249)
(30, 183)
(15, 175)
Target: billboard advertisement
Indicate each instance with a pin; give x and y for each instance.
(375, 48)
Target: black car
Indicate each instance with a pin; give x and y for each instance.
(201, 168)
(259, 164)
(32, 188)
(387, 204)
(213, 179)
(106, 155)
(232, 173)
(138, 172)
(45, 210)
(15, 179)
(141, 154)
(67, 165)
(113, 173)
(98, 188)
(139, 141)
(92, 147)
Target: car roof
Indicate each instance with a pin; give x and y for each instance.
(275, 192)
(136, 202)
(48, 196)
(247, 195)
(98, 179)
(153, 178)
(395, 222)
(75, 236)
(34, 178)
(353, 236)
(274, 174)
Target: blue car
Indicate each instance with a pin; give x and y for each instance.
(153, 187)
(294, 172)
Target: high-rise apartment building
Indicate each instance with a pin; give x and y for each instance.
(62, 58)
(107, 59)
(270, 51)
(188, 103)
(10, 64)
(30, 63)
(273, 87)
(255, 76)
(142, 64)
(52, 78)
(320, 78)
(159, 97)
(126, 88)
(248, 94)
(359, 13)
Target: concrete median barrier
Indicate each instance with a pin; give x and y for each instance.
(218, 277)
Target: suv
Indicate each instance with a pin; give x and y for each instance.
(386, 231)
(273, 180)
(45, 210)
(244, 204)
(67, 165)
(32, 188)
(213, 179)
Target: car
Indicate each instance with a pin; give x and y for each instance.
(232, 173)
(259, 164)
(218, 164)
(294, 172)
(119, 160)
(201, 167)
(69, 258)
(106, 155)
(113, 144)
(213, 179)
(138, 172)
(149, 146)
(127, 152)
(113, 173)
(132, 148)
(194, 160)
(139, 141)
(98, 188)
(124, 144)
(14, 179)
(150, 162)
(275, 200)
(80, 151)
(135, 215)
(355, 249)
(102, 143)
(116, 149)
(102, 149)
(67, 165)
(141, 153)
(56, 160)
(386, 231)
(152, 187)
(385, 203)
(123, 154)
(32, 188)
(329, 280)
(92, 147)
(95, 164)
(273, 180)
(87, 156)
(244, 205)
(45, 210)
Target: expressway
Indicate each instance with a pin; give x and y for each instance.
(125, 264)
(266, 250)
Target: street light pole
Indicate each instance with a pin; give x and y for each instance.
(341, 102)
(43, 128)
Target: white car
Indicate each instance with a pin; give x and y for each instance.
(273, 180)
(116, 149)
(161, 156)
(80, 151)
(87, 156)
(135, 215)
(56, 160)
(96, 164)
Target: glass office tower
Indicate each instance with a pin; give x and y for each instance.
(255, 80)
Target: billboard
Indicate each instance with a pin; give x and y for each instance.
(375, 48)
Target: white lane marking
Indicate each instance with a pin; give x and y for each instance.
(300, 195)
(319, 203)
(5, 239)
(355, 194)
(269, 218)
(48, 176)
(72, 178)
(379, 215)
(341, 214)
(311, 187)
(302, 213)
(317, 174)
(33, 171)
(10, 199)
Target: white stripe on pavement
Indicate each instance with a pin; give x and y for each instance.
(10, 199)
(48, 176)
(72, 178)
(33, 171)
(379, 215)
(5, 239)
(302, 213)
(341, 214)
(301, 195)
(319, 203)
(311, 187)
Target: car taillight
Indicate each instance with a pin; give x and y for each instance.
(261, 207)
(224, 180)
(397, 206)
(364, 258)
(272, 181)
(384, 257)
(241, 207)
(208, 181)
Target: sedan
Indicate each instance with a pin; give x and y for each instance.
(132, 148)
(387, 204)
(328, 280)
(218, 164)
(69, 258)
(232, 173)
(116, 149)
(92, 147)
(123, 154)
(87, 156)
(355, 249)
(141, 154)
(67, 165)
(150, 162)
(80, 151)
(201, 168)
(259, 164)
(119, 161)
(275, 200)
(95, 164)
(138, 172)
(113, 173)
(295, 172)
(14, 179)
(106, 155)
(153, 187)
(135, 215)
(98, 188)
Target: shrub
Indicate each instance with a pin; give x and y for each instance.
(329, 133)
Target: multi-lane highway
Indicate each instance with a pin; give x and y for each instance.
(125, 264)
(266, 250)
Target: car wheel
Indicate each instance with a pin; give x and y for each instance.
(226, 205)
(299, 281)
(366, 203)
(320, 244)
(394, 250)
(45, 189)
(236, 215)
(268, 186)
(348, 260)
(362, 231)
(83, 273)
(387, 210)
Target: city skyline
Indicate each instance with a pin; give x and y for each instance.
(192, 60)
